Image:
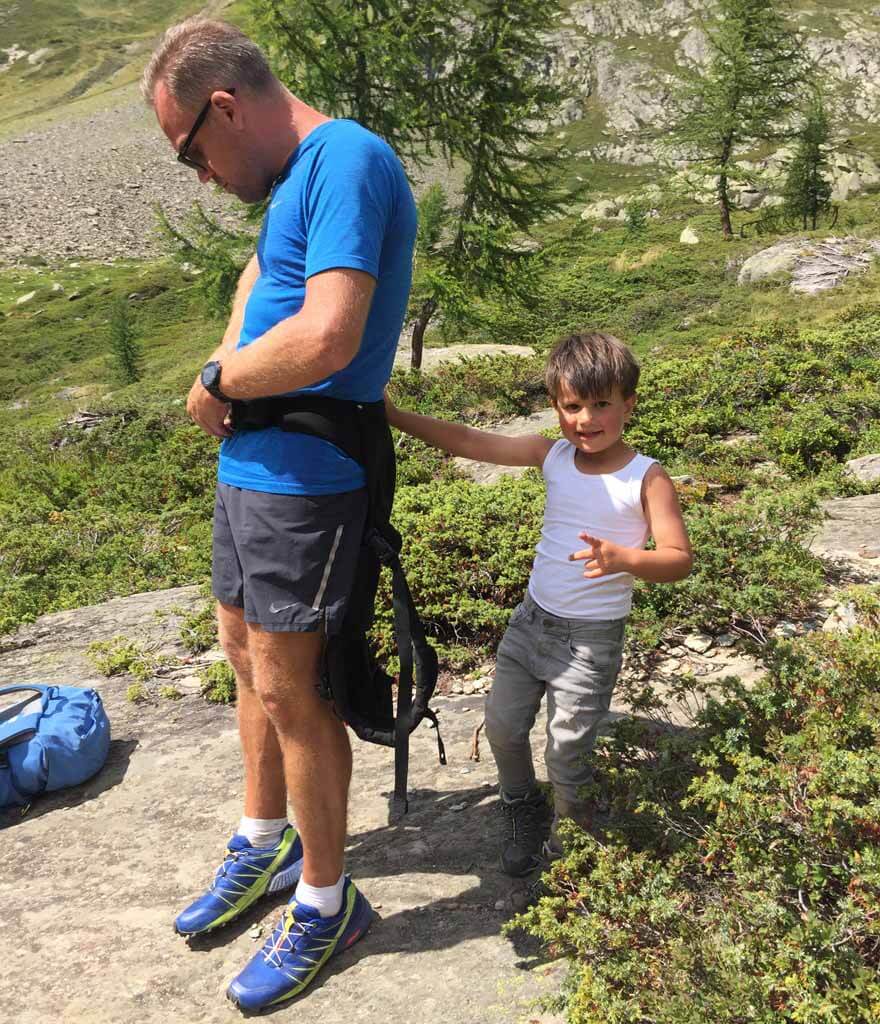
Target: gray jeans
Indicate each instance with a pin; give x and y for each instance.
(575, 662)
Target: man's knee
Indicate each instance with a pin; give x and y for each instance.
(233, 635)
(286, 677)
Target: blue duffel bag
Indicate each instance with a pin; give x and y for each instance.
(55, 736)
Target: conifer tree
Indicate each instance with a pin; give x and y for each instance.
(497, 108)
(434, 76)
(124, 346)
(379, 62)
(219, 254)
(807, 192)
(743, 95)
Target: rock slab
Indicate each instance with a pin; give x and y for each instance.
(850, 534)
(92, 876)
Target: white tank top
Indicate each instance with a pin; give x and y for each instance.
(606, 505)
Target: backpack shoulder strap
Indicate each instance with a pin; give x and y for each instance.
(360, 429)
(418, 665)
(15, 725)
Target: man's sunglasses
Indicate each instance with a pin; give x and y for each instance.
(187, 142)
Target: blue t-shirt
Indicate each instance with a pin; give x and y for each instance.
(342, 200)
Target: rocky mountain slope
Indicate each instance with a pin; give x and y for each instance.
(85, 182)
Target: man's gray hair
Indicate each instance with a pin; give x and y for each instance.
(199, 56)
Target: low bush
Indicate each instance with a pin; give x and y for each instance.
(737, 876)
(218, 683)
(121, 656)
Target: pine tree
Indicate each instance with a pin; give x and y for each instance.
(436, 77)
(497, 107)
(743, 95)
(126, 349)
(807, 192)
(379, 62)
(217, 253)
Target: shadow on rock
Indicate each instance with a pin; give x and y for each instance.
(448, 834)
(110, 775)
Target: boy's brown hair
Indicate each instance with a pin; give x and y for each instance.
(592, 364)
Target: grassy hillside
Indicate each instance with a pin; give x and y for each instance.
(125, 506)
(78, 53)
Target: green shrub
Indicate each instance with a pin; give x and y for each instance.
(467, 552)
(198, 630)
(218, 683)
(121, 656)
(737, 877)
(136, 693)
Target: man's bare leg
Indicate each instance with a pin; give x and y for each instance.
(314, 743)
(265, 794)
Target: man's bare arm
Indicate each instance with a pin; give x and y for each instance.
(205, 410)
(236, 318)
(319, 340)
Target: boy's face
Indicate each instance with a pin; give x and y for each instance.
(592, 424)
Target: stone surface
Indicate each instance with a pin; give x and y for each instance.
(689, 237)
(842, 619)
(866, 468)
(101, 175)
(850, 534)
(489, 473)
(698, 642)
(776, 259)
(93, 876)
(432, 358)
(814, 266)
(602, 209)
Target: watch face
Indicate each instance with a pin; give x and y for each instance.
(211, 376)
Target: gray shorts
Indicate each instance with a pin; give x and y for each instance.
(287, 559)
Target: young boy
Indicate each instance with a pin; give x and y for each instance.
(566, 637)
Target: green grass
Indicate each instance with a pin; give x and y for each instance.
(167, 316)
(93, 48)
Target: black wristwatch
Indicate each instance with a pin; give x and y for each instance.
(210, 378)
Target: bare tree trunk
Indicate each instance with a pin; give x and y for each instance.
(724, 207)
(723, 194)
(429, 307)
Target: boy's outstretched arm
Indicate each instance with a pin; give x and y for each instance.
(480, 445)
(672, 558)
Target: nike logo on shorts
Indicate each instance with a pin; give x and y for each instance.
(276, 608)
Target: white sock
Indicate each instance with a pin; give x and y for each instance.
(326, 899)
(262, 832)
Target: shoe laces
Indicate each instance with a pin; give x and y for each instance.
(289, 932)
(522, 820)
(232, 857)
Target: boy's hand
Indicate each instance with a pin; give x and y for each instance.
(601, 558)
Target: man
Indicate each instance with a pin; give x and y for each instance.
(318, 309)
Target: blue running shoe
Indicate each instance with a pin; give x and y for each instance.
(301, 944)
(247, 872)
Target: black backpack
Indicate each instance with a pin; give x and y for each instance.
(360, 689)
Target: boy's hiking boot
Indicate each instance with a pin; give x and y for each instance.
(526, 820)
(246, 874)
(301, 944)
